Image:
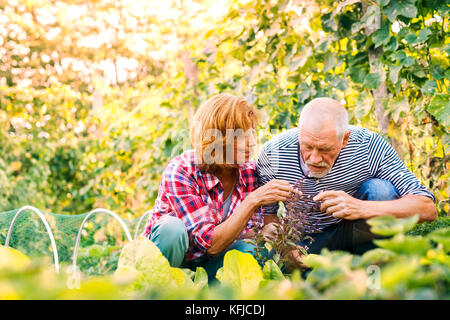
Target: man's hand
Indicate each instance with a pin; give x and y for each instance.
(341, 205)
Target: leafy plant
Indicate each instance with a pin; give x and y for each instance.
(295, 225)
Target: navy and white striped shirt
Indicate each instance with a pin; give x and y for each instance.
(366, 156)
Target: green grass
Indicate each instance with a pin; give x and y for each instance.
(424, 228)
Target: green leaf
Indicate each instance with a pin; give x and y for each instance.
(372, 80)
(424, 34)
(330, 61)
(352, 287)
(328, 259)
(370, 17)
(357, 74)
(441, 236)
(429, 87)
(141, 259)
(13, 259)
(399, 273)
(383, 3)
(393, 73)
(271, 271)
(363, 104)
(405, 244)
(328, 22)
(408, 61)
(412, 38)
(381, 36)
(392, 45)
(437, 72)
(200, 277)
(300, 60)
(241, 271)
(398, 106)
(405, 8)
(377, 256)
(439, 107)
(389, 225)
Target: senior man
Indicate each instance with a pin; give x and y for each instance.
(361, 173)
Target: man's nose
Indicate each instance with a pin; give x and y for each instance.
(315, 157)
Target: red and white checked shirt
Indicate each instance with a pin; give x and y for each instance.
(196, 198)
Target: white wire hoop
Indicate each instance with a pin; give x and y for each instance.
(99, 210)
(47, 226)
(138, 226)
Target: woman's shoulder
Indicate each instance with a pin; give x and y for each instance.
(183, 164)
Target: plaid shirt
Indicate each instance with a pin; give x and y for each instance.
(196, 198)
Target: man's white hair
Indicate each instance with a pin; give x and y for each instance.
(328, 109)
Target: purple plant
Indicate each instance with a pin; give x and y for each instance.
(295, 225)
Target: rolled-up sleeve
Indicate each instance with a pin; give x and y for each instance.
(386, 164)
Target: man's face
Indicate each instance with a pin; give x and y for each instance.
(320, 148)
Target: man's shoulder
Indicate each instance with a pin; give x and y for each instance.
(360, 133)
(282, 140)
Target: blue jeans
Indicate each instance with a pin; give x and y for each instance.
(354, 235)
(170, 236)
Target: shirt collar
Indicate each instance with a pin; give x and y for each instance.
(302, 164)
(211, 180)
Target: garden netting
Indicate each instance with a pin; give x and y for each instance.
(101, 237)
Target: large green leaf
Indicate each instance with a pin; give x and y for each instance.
(389, 225)
(271, 271)
(13, 259)
(439, 107)
(352, 287)
(411, 245)
(142, 261)
(242, 271)
(377, 256)
(399, 273)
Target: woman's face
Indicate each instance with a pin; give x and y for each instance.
(244, 145)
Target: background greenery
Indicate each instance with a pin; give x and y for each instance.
(96, 97)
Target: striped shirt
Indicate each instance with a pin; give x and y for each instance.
(366, 156)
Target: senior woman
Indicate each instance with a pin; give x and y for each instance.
(208, 199)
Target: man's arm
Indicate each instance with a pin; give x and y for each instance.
(384, 164)
(341, 205)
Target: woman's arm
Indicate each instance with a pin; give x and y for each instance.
(229, 230)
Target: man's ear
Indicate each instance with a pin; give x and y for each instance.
(346, 137)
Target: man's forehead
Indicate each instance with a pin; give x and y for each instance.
(318, 132)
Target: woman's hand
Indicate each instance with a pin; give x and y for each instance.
(293, 259)
(273, 191)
